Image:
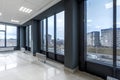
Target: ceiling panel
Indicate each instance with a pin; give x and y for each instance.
(10, 9)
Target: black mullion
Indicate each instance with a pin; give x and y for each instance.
(114, 39)
(55, 36)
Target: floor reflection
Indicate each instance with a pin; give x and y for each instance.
(7, 61)
(5, 67)
(21, 66)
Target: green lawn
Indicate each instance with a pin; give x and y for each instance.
(102, 50)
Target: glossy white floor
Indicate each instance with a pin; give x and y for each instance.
(20, 66)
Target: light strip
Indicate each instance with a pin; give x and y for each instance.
(29, 11)
(25, 10)
(16, 21)
(21, 9)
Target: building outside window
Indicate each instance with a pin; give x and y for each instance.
(2, 35)
(60, 33)
(11, 35)
(50, 35)
(100, 30)
(118, 32)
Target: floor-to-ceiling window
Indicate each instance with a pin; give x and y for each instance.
(44, 34)
(50, 35)
(11, 35)
(103, 37)
(100, 30)
(2, 35)
(118, 32)
(8, 35)
(28, 37)
(2, 39)
(60, 33)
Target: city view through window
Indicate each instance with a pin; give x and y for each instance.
(11, 35)
(60, 33)
(8, 35)
(118, 32)
(50, 33)
(100, 30)
(44, 35)
(2, 35)
(2, 39)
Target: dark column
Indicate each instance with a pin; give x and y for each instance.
(71, 35)
(35, 36)
(18, 38)
(22, 37)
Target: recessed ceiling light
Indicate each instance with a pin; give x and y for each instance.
(21, 9)
(25, 10)
(16, 21)
(0, 13)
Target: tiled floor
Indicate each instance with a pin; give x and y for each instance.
(21, 66)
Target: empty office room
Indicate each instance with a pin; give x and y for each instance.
(59, 39)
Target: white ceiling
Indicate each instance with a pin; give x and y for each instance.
(10, 9)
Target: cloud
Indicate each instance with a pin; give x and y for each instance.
(109, 5)
(89, 25)
(98, 27)
(89, 20)
(118, 23)
(60, 21)
(118, 2)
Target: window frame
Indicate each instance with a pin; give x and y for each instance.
(5, 33)
(50, 55)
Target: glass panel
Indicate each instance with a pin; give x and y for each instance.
(100, 30)
(118, 33)
(2, 39)
(44, 34)
(29, 35)
(11, 35)
(2, 27)
(60, 33)
(51, 34)
(41, 35)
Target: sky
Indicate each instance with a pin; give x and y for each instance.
(100, 14)
(59, 23)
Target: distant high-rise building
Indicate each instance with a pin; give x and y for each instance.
(49, 38)
(118, 37)
(93, 38)
(107, 37)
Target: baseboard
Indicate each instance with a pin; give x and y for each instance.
(71, 70)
